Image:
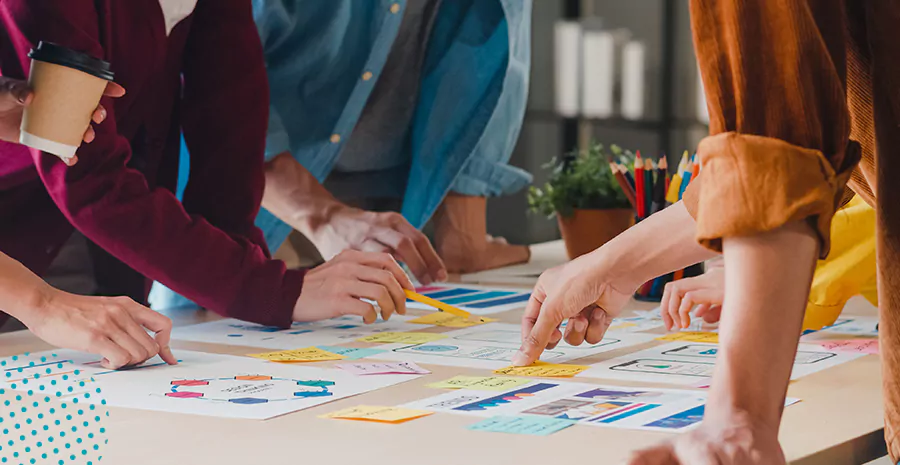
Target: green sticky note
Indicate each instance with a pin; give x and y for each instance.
(351, 353)
(534, 426)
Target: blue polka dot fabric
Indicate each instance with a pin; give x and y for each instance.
(50, 413)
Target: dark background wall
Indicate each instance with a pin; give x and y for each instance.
(543, 135)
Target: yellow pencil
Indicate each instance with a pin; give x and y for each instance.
(440, 305)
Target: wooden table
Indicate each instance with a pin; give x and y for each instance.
(838, 421)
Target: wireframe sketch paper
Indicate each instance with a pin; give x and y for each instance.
(858, 326)
(586, 404)
(219, 385)
(491, 346)
(687, 363)
(319, 333)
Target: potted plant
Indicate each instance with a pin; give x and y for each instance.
(585, 197)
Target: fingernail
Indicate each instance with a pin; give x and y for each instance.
(580, 326)
(519, 359)
(442, 275)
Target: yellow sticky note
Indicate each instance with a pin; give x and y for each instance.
(450, 321)
(308, 354)
(691, 336)
(620, 326)
(378, 414)
(480, 383)
(539, 368)
(402, 338)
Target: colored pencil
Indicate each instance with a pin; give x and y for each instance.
(659, 187)
(675, 185)
(628, 176)
(696, 168)
(440, 305)
(623, 184)
(639, 183)
(685, 178)
(648, 186)
(678, 275)
(664, 172)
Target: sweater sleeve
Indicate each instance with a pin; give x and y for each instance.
(779, 148)
(148, 229)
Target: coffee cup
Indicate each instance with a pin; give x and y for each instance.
(67, 87)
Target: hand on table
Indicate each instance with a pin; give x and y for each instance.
(335, 288)
(732, 440)
(464, 254)
(15, 96)
(385, 232)
(706, 291)
(579, 291)
(112, 327)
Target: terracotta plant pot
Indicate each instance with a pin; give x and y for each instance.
(587, 230)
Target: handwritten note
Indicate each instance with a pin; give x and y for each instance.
(691, 336)
(351, 353)
(550, 370)
(860, 346)
(307, 354)
(387, 368)
(402, 338)
(450, 321)
(535, 426)
(392, 415)
(480, 383)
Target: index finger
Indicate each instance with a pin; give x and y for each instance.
(387, 262)
(434, 263)
(114, 90)
(539, 334)
(160, 325)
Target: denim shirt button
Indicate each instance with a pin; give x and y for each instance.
(335, 138)
(395, 8)
(367, 75)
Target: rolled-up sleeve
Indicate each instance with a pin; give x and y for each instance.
(779, 148)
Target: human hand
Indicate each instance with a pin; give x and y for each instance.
(706, 291)
(337, 287)
(580, 291)
(350, 228)
(733, 440)
(15, 96)
(112, 327)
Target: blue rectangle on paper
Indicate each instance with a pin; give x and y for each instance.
(534, 426)
(451, 293)
(498, 302)
(680, 419)
(629, 413)
(477, 297)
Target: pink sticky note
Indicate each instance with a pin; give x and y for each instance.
(862, 346)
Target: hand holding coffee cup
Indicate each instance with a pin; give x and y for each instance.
(60, 101)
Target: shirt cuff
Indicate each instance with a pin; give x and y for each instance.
(752, 184)
(483, 178)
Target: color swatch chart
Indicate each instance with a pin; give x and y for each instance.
(474, 299)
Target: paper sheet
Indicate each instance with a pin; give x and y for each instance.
(450, 321)
(378, 414)
(477, 300)
(385, 368)
(402, 338)
(332, 332)
(860, 326)
(860, 346)
(534, 426)
(492, 346)
(480, 383)
(307, 354)
(543, 369)
(220, 385)
(587, 404)
(687, 363)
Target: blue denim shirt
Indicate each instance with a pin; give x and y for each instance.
(471, 101)
(470, 107)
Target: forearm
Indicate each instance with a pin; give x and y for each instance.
(660, 244)
(766, 286)
(21, 291)
(295, 196)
